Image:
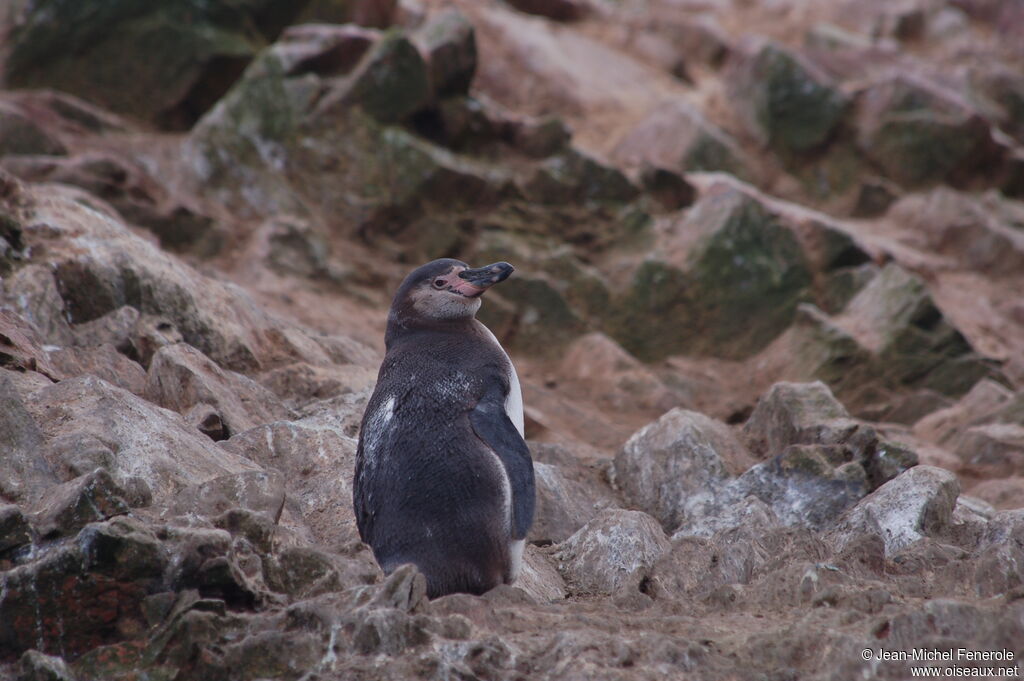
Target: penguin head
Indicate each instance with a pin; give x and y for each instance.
(444, 290)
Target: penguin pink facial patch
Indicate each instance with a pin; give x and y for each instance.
(467, 289)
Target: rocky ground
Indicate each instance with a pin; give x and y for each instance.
(767, 314)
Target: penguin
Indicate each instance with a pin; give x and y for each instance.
(443, 476)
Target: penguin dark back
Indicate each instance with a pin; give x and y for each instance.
(443, 477)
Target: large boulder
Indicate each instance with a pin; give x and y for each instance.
(914, 505)
(316, 454)
(100, 267)
(611, 551)
(183, 379)
(785, 100)
(166, 63)
(962, 227)
(726, 285)
(87, 423)
(677, 136)
(919, 134)
(895, 318)
(678, 464)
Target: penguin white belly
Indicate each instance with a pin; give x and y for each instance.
(514, 409)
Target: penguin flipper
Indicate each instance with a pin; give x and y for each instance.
(492, 425)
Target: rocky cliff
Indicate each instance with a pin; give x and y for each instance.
(767, 314)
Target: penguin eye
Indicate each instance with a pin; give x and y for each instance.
(440, 283)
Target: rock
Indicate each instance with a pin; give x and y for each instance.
(792, 413)
(911, 408)
(20, 348)
(166, 64)
(668, 187)
(69, 507)
(102, 578)
(1000, 552)
(31, 292)
(375, 13)
(449, 46)
(100, 266)
(116, 328)
(317, 457)
(150, 333)
(874, 197)
(323, 48)
(735, 273)
(731, 507)
(302, 573)
(297, 247)
(913, 343)
(37, 666)
(575, 177)
(391, 82)
(540, 137)
(19, 134)
(1002, 494)
(611, 551)
(261, 492)
(964, 228)
(807, 414)
(564, 505)
(785, 100)
(995, 450)
(299, 384)
(180, 377)
(815, 347)
(920, 135)
(676, 465)
(1000, 92)
(539, 577)
(273, 654)
(14, 528)
(140, 438)
(909, 507)
(133, 192)
(25, 474)
(981, 403)
(558, 10)
(102, 361)
(601, 367)
(122, 549)
(677, 137)
(800, 487)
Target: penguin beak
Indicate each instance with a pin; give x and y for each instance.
(482, 278)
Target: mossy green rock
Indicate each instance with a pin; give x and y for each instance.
(575, 177)
(793, 107)
(913, 343)
(392, 81)
(323, 140)
(736, 291)
(164, 61)
(919, 135)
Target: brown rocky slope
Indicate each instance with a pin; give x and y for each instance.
(766, 313)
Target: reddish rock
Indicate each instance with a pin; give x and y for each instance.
(102, 361)
(180, 377)
(69, 507)
(994, 450)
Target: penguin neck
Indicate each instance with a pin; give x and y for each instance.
(401, 326)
